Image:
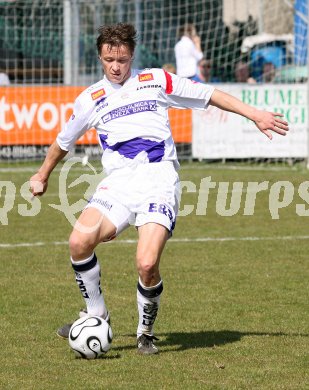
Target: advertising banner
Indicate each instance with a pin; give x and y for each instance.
(33, 115)
(218, 134)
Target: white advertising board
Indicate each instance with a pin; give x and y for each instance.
(220, 134)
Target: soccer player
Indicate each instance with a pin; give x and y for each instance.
(129, 110)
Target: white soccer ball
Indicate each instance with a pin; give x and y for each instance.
(90, 337)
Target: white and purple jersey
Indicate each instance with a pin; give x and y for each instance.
(132, 120)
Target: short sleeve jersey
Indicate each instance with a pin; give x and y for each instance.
(131, 120)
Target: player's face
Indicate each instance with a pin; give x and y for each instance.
(116, 62)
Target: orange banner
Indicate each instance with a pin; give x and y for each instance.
(34, 115)
(181, 125)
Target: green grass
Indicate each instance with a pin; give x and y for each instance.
(234, 313)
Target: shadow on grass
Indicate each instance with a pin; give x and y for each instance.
(110, 356)
(210, 339)
(206, 339)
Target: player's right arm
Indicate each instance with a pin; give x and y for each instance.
(265, 121)
(39, 181)
(75, 127)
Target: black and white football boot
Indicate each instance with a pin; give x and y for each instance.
(65, 329)
(145, 345)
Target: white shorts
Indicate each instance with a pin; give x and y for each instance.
(148, 193)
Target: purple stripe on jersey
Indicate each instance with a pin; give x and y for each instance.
(131, 148)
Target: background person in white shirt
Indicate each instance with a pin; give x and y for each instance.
(188, 51)
(4, 79)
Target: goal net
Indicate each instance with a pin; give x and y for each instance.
(255, 49)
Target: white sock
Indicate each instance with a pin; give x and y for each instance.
(87, 276)
(148, 300)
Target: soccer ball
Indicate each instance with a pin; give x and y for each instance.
(90, 337)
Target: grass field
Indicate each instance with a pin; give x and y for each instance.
(234, 313)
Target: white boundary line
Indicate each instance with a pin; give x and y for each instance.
(184, 167)
(80, 194)
(172, 240)
(35, 168)
(236, 168)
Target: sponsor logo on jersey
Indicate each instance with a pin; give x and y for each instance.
(100, 101)
(97, 94)
(93, 87)
(163, 209)
(145, 77)
(148, 86)
(101, 104)
(102, 202)
(130, 109)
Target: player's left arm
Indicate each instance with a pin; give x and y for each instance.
(265, 121)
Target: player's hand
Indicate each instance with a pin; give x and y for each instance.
(271, 121)
(38, 184)
(196, 40)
